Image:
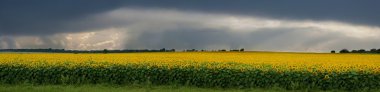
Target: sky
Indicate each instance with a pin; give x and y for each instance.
(259, 25)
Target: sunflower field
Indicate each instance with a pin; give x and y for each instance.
(200, 69)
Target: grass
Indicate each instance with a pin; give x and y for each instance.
(129, 88)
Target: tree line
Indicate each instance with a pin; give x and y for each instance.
(358, 51)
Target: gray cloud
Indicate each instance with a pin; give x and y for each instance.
(262, 40)
(254, 25)
(184, 38)
(20, 17)
(215, 31)
(6, 42)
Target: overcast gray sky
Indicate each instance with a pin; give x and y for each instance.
(265, 25)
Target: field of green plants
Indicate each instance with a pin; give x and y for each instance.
(49, 69)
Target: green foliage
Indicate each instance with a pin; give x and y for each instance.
(126, 88)
(191, 76)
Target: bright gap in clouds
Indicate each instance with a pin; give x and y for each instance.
(162, 28)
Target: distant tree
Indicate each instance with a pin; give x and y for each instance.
(378, 51)
(223, 50)
(163, 50)
(333, 51)
(191, 50)
(105, 51)
(373, 50)
(344, 51)
(355, 51)
(50, 50)
(362, 51)
(242, 49)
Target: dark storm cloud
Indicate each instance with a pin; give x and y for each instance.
(363, 11)
(27, 17)
(30, 17)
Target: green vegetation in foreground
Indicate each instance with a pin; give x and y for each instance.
(133, 88)
(190, 76)
(105, 88)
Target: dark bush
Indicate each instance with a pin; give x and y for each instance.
(344, 51)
